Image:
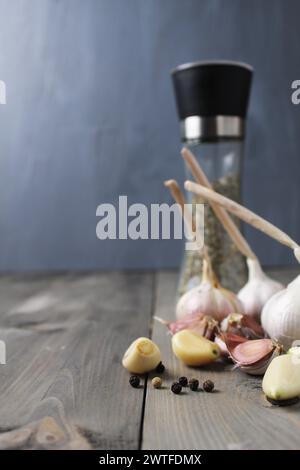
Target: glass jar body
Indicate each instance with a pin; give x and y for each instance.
(221, 161)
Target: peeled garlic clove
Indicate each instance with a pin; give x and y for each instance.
(193, 349)
(142, 356)
(282, 378)
(207, 299)
(254, 356)
(281, 315)
(258, 290)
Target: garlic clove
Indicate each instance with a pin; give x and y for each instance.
(258, 290)
(253, 356)
(251, 352)
(193, 349)
(142, 356)
(231, 320)
(224, 339)
(242, 325)
(281, 315)
(282, 378)
(251, 328)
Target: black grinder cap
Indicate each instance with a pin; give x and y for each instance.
(218, 88)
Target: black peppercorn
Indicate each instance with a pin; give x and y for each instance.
(176, 388)
(183, 381)
(194, 384)
(208, 386)
(160, 368)
(134, 381)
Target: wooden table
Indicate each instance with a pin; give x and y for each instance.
(64, 387)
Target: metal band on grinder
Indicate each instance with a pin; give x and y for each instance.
(212, 127)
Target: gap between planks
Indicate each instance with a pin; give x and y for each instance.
(146, 384)
(65, 339)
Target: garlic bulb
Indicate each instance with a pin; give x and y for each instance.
(209, 298)
(253, 356)
(259, 287)
(258, 290)
(281, 315)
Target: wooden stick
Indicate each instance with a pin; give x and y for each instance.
(244, 214)
(229, 225)
(178, 196)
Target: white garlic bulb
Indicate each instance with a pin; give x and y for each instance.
(208, 299)
(281, 315)
(258, 290)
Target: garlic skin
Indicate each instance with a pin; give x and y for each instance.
(281, 315)
(223, 348)
(282, 378)
(204, 325)
(258, 290)
(208, 299)
(242, 325)
(142, 356)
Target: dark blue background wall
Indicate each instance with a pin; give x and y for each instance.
(90, 115)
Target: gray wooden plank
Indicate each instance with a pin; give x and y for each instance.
(62, 386)
(237, 416)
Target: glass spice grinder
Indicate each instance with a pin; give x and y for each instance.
(212, 100)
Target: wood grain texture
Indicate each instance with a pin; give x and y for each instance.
(235, 416)
(62, 386)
